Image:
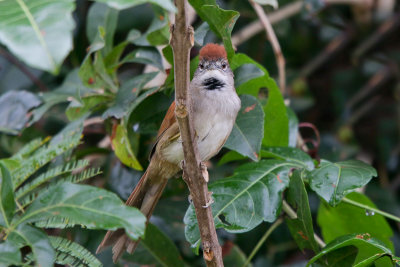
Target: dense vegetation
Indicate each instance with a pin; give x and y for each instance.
(84, 86)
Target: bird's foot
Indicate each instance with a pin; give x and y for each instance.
(204, 171)
(210, 200)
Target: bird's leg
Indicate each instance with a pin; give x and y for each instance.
(210, 200)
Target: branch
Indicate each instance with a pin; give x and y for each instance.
(280, 60)
(181, 43)
(23, 69)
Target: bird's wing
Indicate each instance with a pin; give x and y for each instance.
(168, 121)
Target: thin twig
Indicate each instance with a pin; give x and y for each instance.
(280, 60)
(285, 12)
(293, 215)
(181, 42)
(24, 69)
(360, 205)
(262, 240)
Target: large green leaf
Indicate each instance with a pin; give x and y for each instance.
(14, 110)
(7, 201)
(220, 21)
(38, 32)
(122, 4)
(9, 254)
(241, 202)
(160, 247)
(301, 228)
(276, 123)
(349, 219)
(359, 241)
(289, 154)
(332, 181)
(90, 206)
(248, 130)
(43, 252)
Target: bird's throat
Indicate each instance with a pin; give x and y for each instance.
(213, 83)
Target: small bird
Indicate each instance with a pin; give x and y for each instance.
(215, 105)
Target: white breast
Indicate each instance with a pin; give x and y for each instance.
(214, 114)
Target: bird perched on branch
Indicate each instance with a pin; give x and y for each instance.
(214, 107)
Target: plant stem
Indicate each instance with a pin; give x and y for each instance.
(262, 240)
(387, 215)
(293, 215)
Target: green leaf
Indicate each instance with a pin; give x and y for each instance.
(127, 94)
(77, 109)
(230, 156)
(72, 254)
(200, 33)
(44, 156)
(301, 228)
(357, 240)
(241, 202)
(220, 21)
(14, 108)
(333, 181)
(9, 254)
(145, 55)
(123, 4)
(161, 247)
(93, 72)
(101, 15)
(7, 201)
(38, 32)
(48, 175)
(156, 34)
(73, 178)
(289, 154)
(248, 129)
(43, 252)
(276, 123)
(349, 219)
(72, 87)
(90, 206)
(246, 72)
(122, 147)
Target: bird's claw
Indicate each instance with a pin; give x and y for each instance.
(204, 171)
(210, 200)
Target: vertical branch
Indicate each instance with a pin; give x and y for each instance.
(181, 43)
(280, 60)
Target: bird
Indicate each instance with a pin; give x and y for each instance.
(214, 108)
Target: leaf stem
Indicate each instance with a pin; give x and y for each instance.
(262, 240)
(357, 204)
(293, 215)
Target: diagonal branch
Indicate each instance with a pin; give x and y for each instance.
(280, 60)
(181, 43)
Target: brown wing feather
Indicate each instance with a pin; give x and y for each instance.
(169, 119)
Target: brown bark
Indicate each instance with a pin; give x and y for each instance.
(181, 43)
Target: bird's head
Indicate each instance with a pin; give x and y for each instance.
(213, 71)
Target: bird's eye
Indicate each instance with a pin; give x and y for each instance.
(223, 65)
(201, 66)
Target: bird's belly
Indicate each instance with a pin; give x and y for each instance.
(210, 138)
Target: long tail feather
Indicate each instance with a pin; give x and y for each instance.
(145, 197)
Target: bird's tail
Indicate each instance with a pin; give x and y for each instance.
(144, 197)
